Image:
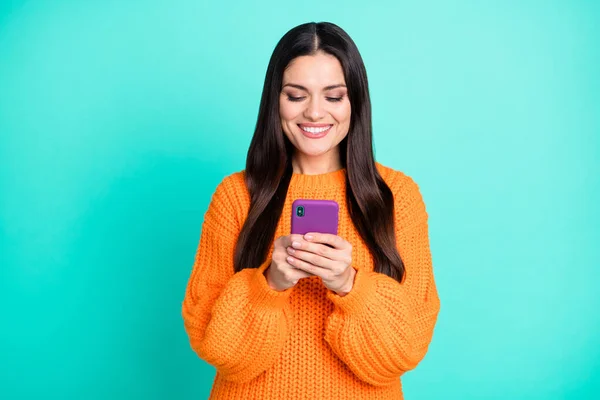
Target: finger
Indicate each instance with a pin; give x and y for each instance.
(312, 257)
(334, 241)
(289, 239)
(322, 250)
(307, 267)
(295, 274)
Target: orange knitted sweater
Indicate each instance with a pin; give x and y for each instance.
(307, 342)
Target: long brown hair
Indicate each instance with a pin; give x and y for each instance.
(269, 169)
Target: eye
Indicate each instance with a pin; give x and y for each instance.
(331, 99)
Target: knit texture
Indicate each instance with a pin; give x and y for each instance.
(307, 342)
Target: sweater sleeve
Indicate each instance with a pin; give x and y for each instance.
(382, 328)
(234, 321)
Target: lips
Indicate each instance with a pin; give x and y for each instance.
(315, 131)
(308, 125)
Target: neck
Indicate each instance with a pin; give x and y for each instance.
(315, 165)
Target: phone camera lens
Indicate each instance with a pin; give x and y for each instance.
(300, 211)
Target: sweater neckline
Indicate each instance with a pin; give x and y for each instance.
(327, 179)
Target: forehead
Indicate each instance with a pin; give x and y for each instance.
(314, 71)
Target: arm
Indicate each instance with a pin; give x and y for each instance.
(383, 328)
(235, 322)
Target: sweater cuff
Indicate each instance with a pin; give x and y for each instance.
(356, 300)
(261, 293)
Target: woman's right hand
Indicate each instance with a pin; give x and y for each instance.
(280, 274)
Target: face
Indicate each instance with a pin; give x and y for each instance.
(314, 105)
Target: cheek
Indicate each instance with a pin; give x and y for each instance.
(287, 111)
(342, 114)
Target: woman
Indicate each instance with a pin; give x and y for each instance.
(318, 316)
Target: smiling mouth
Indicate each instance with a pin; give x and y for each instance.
(315, 129)
(315, 132)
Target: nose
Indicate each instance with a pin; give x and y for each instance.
(314, 109)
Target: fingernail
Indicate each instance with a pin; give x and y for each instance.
(291, 251)
(308, 237)
(296, 244)
(290, 259)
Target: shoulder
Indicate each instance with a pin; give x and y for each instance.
(398, 181)
(232, 184)
(231, 199)
(408, 199)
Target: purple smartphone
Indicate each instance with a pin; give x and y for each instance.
(315, 216)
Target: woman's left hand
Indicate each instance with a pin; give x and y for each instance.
(333, 264)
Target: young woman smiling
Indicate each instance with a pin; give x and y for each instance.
(321, 316)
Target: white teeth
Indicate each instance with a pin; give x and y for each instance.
(314, 130)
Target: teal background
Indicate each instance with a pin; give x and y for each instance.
(118, 120)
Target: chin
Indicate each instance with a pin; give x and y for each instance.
(314, 152)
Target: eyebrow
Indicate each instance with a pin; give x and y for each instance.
(306, 90)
